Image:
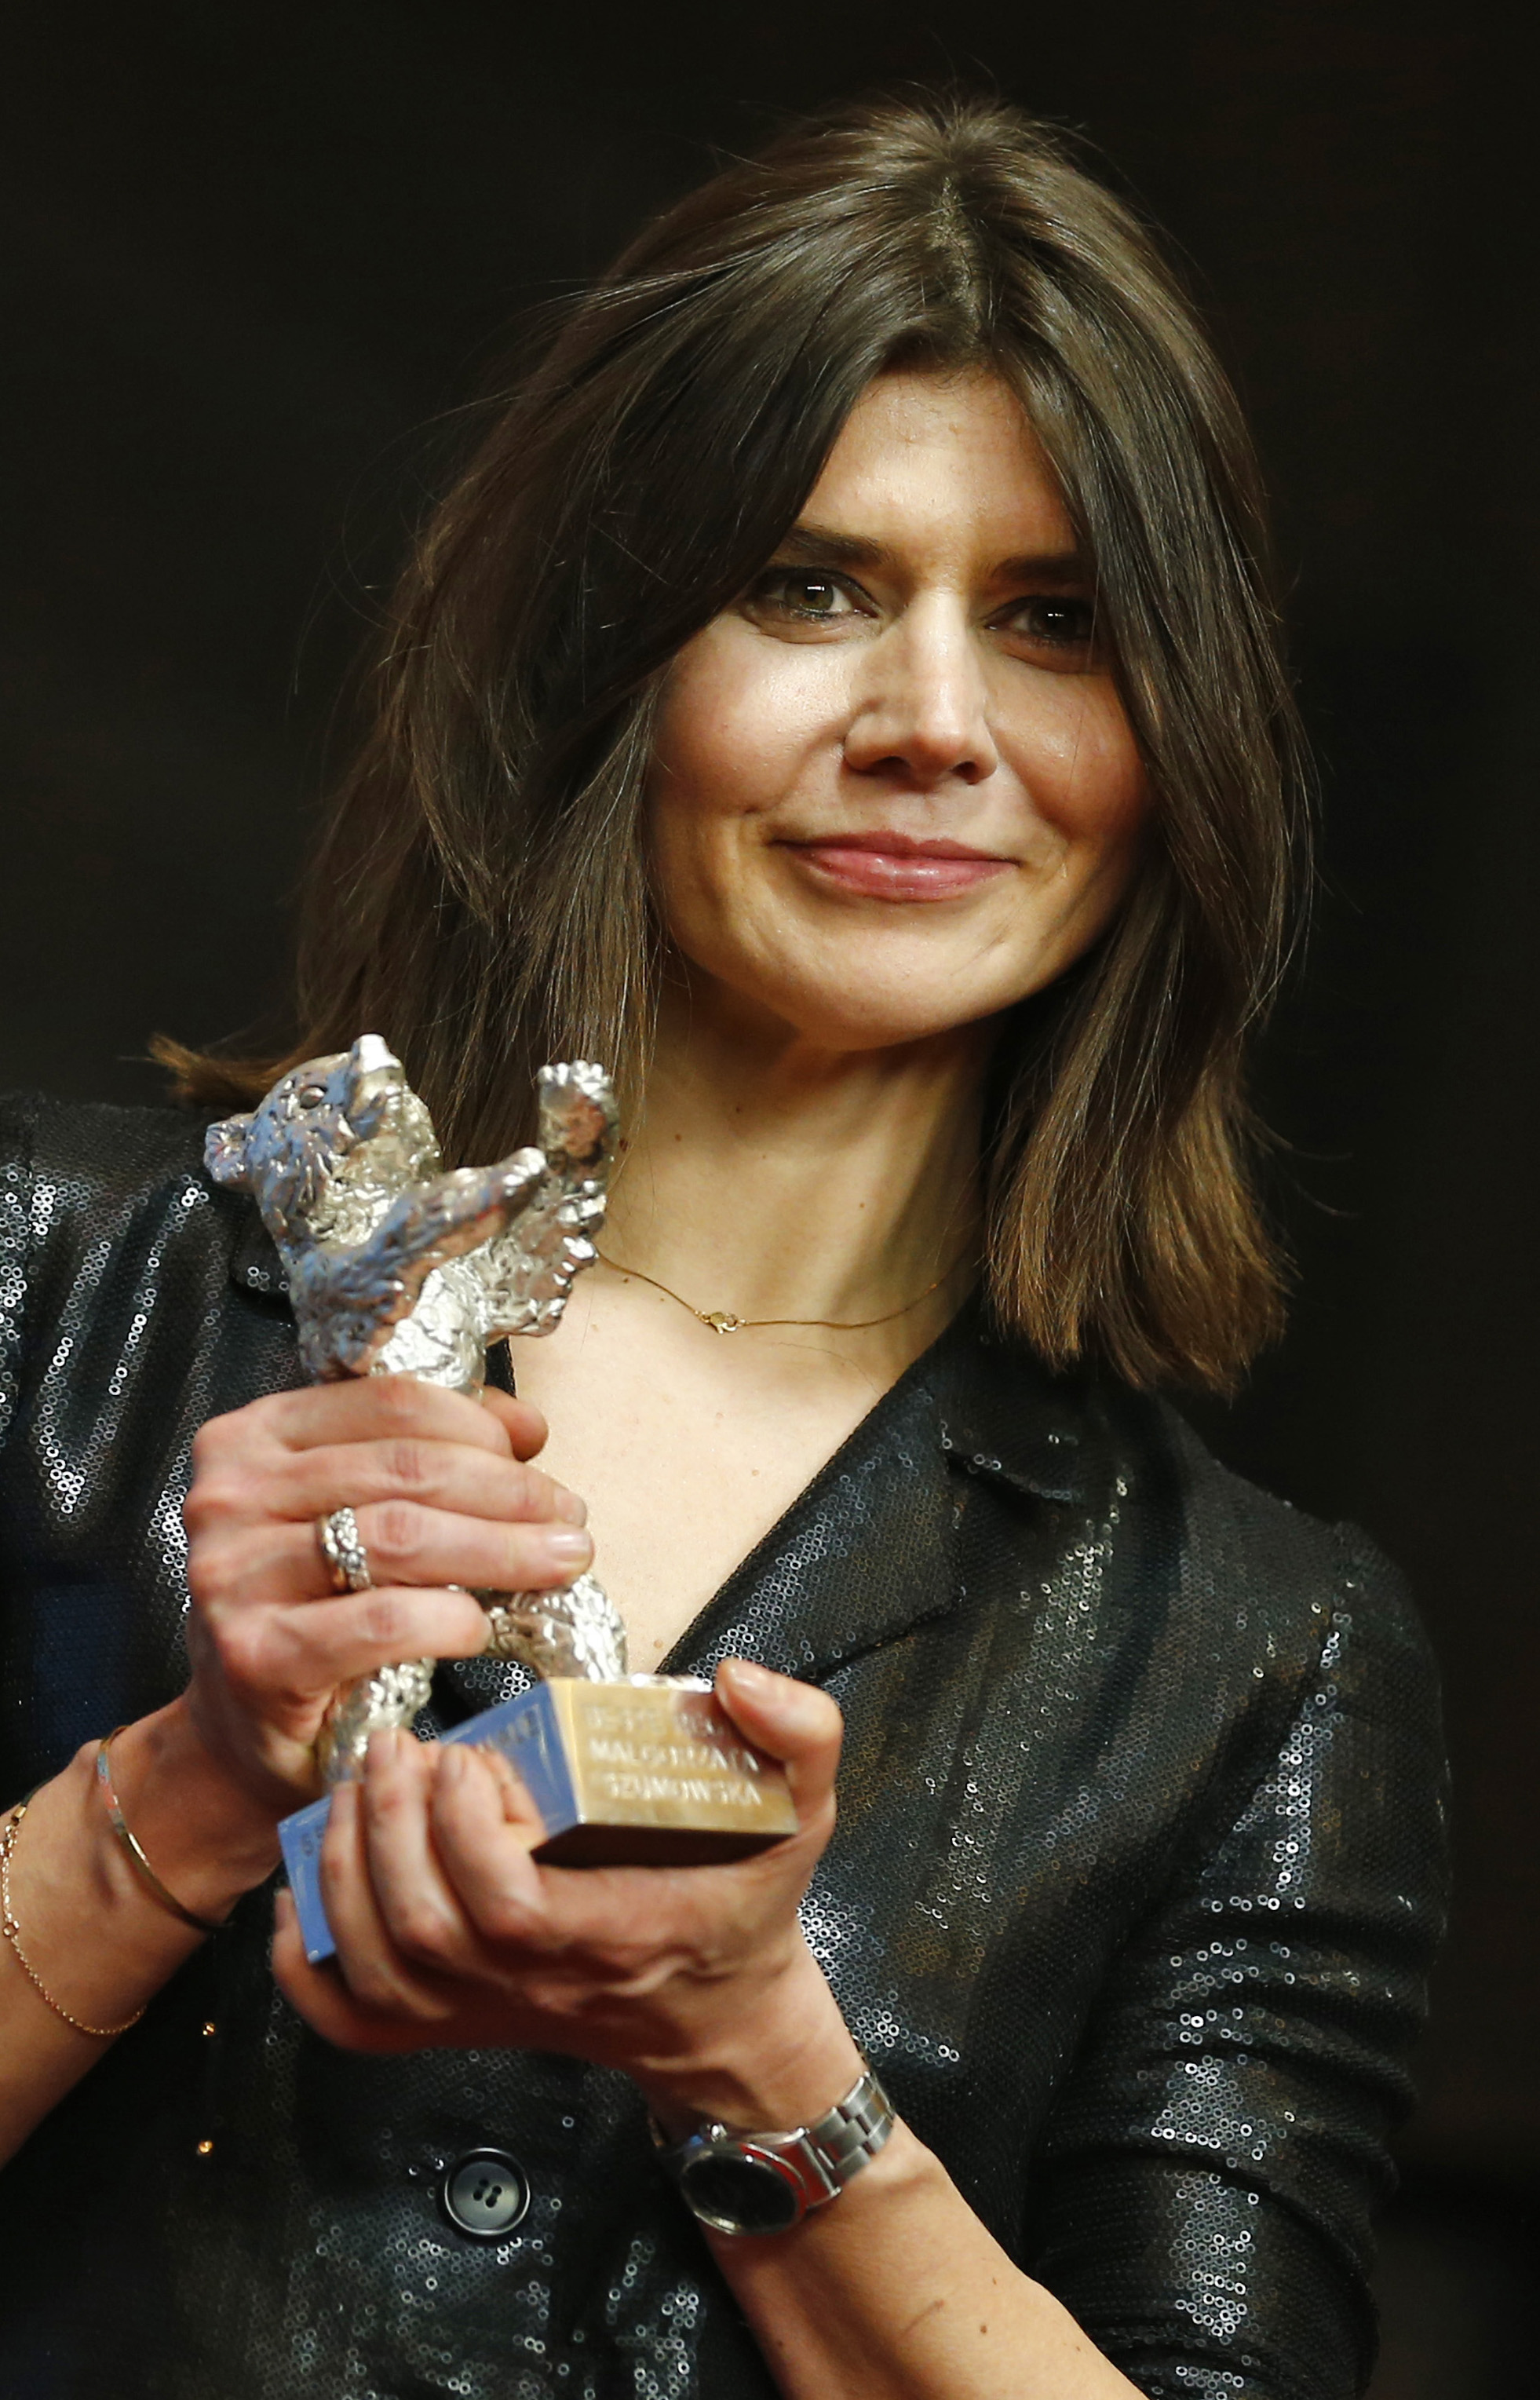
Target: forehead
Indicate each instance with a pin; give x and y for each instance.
(928, 458)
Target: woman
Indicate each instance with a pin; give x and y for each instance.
(842, 692)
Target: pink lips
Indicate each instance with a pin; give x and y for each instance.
(895, 866)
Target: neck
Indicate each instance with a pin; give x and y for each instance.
(776, 1178)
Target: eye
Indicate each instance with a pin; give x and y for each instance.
(803, 594)
(1051, 621)
(311, 1095)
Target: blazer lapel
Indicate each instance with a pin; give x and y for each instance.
(869, 1550)
(862, 1554)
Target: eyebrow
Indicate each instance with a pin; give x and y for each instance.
(814, 545)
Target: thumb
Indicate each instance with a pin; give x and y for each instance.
(792, 1722)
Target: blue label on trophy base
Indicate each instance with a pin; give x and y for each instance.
(524, 1730)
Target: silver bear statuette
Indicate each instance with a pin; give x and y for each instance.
(396, 1268)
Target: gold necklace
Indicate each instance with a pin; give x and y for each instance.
(721, 1320)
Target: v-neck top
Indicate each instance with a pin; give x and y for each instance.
(1137, 1868)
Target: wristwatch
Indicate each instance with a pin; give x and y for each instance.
(766, 2183)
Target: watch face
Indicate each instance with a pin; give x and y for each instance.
(739, 2193)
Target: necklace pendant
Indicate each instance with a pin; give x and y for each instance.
(721, 1320)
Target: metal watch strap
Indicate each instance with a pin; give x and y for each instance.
(817, 2159)
(848, 2135)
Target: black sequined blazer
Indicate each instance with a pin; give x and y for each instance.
(1138, 1869)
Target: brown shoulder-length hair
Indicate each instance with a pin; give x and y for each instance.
(481, 897)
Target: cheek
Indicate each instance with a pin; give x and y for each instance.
(1078, 758)
(739, 723)
(739, 718)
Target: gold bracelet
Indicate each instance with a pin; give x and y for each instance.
(13, 1935)
(143, 1868)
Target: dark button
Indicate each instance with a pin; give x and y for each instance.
(485, 2194)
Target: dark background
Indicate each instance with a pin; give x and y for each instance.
(253, 260)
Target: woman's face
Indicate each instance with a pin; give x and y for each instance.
(894, 790)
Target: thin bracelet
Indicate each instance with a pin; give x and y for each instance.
(145, 1873)
(13, 1935)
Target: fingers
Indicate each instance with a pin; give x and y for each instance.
(378, 1408)
(372, 1407)
(485, 1828)
(793, 1722)
(415, 1906)
(378, 1981)
(402, 1928)
(526, 1428)
(362, 1945)
(243, 1566)
(430, 1513)
(310, 1483)
(320, 1997)
(446, 1501)
(390, 1912)
(405, 1544)
(577, 1932)
(303, 1653)
(282, 1456)
(446, 1504)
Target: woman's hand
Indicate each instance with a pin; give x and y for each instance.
(694, 1980)
(443, 1495)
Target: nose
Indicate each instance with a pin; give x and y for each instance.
(921, 707)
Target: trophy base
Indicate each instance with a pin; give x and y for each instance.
(649, 1772)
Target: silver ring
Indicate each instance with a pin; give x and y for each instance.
(342, 1548)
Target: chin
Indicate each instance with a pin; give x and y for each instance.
(858, 1017)
(863, 995)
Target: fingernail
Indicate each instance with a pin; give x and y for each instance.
(567, 1546)
(744, 1673)
(569, 1506)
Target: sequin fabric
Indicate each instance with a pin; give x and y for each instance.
(1137, 1870)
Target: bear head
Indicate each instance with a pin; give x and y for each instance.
(334, 1143)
